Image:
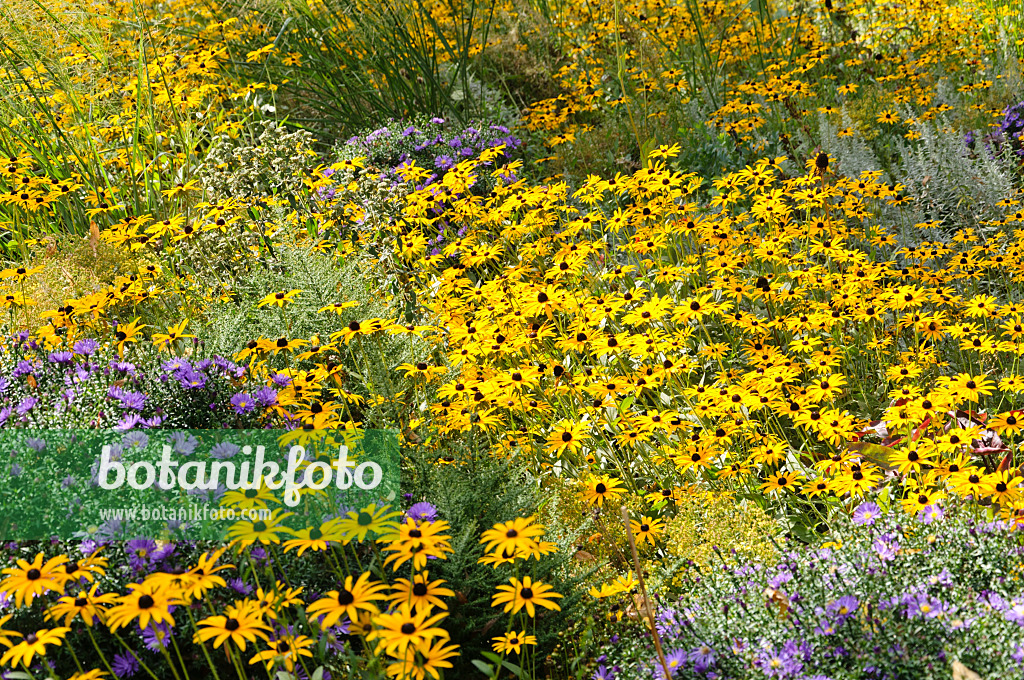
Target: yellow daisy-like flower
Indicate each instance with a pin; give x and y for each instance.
(602, 488)
(512, 642)
(528, 594)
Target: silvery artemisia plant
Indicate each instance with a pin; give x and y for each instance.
(890, 597)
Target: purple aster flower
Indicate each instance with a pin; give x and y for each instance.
(175, 365)
(422, 512)
(60, 357)
(703, 658)
(191, 379)
(86, 347)
(265, 396)
(157, 636)
(444, 162)
(22, 369)
(437, 121)
(124, 665)
(128, 421)
(866, 514)
(36, 444)
(603, 673)
(242, 402)
(184, 443)
(885, 547)
(240, 586)
(135, 440)
(925, 606)
(26, 405)
(931, 513)
(123, 367)
(224, 450)
(133, 400)
(1015, 614)
(844, 606)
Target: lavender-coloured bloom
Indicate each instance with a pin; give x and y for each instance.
(123, 367)
(444, 162)
(128, 421)
(243, 403)
(124, 665)
(23, 368)
(133, 400)
(931, 513)
(844, 607)
(25, 405)
(675, 660)
(265, 396)
(36, 444)
(240, 586)
(16, 470)
(437, 121)
(1015, 614)
(175, 365)
(925, 606)
(86, 347)
(135, 440)
(885, 547)
(703, 658)
(157, 636)
(866, 514)
(422, 512)
(60, 357)
(191, 379)
(603, 673)
(184, 443)
(281, 380)
(224, 450)
(152, 421)
(943, 578)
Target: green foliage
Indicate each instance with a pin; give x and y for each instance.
(472, 494)
(363, 62)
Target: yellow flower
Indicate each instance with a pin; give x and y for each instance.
(528, 594)
(602, 488)
(32, 645)
(512, 642)
(279, 299)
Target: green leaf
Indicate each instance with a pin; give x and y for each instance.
(484, 668)
(645, 150)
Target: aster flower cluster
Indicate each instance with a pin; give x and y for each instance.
(435, 144)
(92, 386)
(889, 597)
